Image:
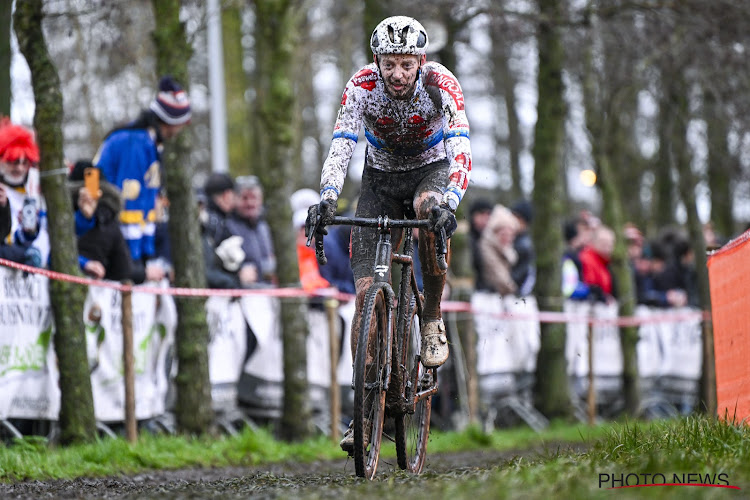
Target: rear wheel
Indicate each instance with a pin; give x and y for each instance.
(413, 429)
(369, 372)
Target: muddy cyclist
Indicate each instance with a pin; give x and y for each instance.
(418, 155)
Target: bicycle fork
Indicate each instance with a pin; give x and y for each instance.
(382, 274)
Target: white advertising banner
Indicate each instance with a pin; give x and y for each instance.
(151, 339)
(28, 367)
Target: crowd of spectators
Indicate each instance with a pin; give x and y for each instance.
(503, 256)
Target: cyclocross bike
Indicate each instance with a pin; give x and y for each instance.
(388, 379)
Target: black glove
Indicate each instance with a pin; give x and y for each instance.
(326, 209)
(442, 217)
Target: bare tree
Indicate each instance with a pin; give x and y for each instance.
(552, 394)
(193, 406)
(277, 27)
(77, 423)
(5, 21)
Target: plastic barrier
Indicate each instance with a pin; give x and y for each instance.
(730, 302)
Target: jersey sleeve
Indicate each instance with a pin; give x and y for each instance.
(345, 134)
(455, 131)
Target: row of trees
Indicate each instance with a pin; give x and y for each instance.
(651, 94)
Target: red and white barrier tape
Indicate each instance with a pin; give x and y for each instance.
(446, 306)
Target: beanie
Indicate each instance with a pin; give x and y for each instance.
(218, 183)
(524, 210)
(171, 103)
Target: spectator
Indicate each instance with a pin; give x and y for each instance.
(667, 286)
(524, 270)
(479, 214)
(5, 222)
(309, 271)
(685, 263)
(102, 250)
(497, 252)
(223, 252)
(26, 239)
(595, 258)
(248, 222)
(130, 159)
(576, 233)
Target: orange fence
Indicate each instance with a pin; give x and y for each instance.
(729, 275)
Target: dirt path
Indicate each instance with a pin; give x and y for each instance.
(325, 479)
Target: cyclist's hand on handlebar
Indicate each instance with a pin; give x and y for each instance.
(319, 216)
(441, 217)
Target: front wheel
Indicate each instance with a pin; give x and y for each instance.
(413, 429)
(369, 382)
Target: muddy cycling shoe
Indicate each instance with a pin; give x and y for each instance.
(347, 443)
(434, 344)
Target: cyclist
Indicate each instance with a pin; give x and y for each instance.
(418, 153)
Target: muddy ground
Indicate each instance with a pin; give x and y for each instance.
(325, 479)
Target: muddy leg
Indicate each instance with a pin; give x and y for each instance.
(433, 277)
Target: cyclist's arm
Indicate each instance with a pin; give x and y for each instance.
(345, 133)
(455, 131)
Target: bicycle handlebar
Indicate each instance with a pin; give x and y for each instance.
(382, 223)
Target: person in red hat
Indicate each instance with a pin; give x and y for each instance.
(22, 212)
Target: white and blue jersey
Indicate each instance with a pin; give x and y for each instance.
(402, 135)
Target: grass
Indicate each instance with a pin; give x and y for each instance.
(33, 458)
(674, 448)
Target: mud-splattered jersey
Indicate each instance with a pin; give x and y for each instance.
(402, 134)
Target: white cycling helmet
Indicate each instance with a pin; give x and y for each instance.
(399, 35)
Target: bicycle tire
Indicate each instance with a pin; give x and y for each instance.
(369, 393)
(413, 429)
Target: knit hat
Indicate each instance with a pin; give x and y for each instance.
(523, 210)
(17, 142)
(217, 183)
(171, 103)
(481, 205)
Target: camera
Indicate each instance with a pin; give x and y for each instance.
(29, 216)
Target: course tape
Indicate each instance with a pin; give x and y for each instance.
(290, 292)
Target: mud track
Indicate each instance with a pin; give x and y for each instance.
(324, 479)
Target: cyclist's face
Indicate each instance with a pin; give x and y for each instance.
(399, 73)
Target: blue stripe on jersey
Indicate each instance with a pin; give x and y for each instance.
(345, 135)
(373, 140)
(458, 132)
(455, 191)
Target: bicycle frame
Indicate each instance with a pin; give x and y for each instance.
(406, 398)
(382, 268)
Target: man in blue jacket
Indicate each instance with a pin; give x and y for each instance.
(130, 159)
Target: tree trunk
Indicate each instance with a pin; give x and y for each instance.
(720, 168)
(681, 159)
(505, 83)
(662, 206)
(277, 25)
(239, 128)
(6, 9)
(608, 144)
(77, 422)
(193, 406)
(552, 394)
